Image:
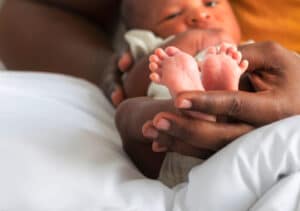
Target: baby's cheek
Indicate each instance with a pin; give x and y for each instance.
(179, 28)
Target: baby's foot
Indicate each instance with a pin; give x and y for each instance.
(175, 69)
(221, 69)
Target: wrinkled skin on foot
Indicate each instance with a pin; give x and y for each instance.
(175, 69)
(221, 69)
(273, 72)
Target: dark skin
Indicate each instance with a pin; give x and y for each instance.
(272, 75)
(130, 128)
(130, 123)
(61, 36)
(191, 42)
(273, 72)
(71, 37)
(139, 148)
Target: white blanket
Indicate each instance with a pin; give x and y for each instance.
(59, 150)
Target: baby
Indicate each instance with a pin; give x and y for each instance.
(166, 22)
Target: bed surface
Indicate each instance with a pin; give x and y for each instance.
(60, 150)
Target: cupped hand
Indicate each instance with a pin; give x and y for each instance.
(273, 71)
(274, 74)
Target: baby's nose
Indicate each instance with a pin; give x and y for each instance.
(199, 17)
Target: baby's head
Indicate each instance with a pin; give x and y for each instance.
(169, 17)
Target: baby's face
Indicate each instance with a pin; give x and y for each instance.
(169, 17)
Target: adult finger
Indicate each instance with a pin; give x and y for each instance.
(264, 55)
(172, 144)
(253, 108)
(184, 148)
(164, 142)
(199, 133)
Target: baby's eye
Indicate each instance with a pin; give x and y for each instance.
(211, 3)
(173, 15)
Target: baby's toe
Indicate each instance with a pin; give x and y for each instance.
(235, 54)
(154, 58)
(225, 46)
(244, 65)
(153, 66)
(161, 53)
(155, 77)
(171, 51)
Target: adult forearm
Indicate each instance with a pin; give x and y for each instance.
(37, 37)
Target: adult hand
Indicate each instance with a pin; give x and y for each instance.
(273, 72)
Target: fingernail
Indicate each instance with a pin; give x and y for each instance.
(163, 124)
(156, 147)
(185, 104)
(150, 133)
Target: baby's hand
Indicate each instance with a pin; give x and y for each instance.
(112, 84)
(125, 62)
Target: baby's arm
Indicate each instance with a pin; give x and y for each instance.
(130, 123)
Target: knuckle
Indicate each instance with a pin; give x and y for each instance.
(281, 109)
(235, 106)
(183, 130)
(273, 48)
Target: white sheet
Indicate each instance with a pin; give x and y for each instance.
(59, 150)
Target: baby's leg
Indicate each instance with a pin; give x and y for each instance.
(221, 69)
(175, 69)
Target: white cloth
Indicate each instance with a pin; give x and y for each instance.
(142, 42)
(175, 167)
(257, 172)
(59, 150)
